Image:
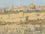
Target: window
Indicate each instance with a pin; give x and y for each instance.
(40, 19)
(1, 17)
(37, 19)
(38, 15)
(44, 15)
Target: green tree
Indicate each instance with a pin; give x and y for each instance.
(26, 18)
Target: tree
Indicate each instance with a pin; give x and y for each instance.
(26, 18)
(41, 27)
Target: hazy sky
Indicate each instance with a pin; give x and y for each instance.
(7, 3)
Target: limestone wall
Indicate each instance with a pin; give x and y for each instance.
(22, 16)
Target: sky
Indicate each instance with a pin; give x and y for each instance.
(8, 3)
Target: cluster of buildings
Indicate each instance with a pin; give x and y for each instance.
(21, 7)
(22, 29)
(18, 14)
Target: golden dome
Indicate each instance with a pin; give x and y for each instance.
(32, 6)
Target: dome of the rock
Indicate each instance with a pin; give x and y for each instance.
(32, 6)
